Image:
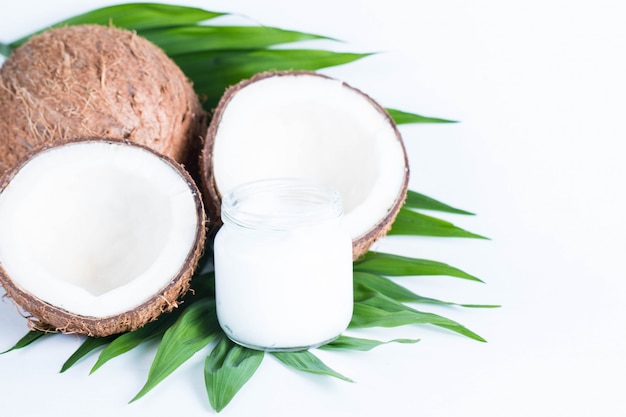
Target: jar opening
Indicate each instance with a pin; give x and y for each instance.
(281, 204)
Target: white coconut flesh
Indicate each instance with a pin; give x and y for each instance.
(96, 228)
(313, 127)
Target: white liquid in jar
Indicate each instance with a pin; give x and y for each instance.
(285, 284)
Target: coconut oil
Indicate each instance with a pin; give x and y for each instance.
(283, 265)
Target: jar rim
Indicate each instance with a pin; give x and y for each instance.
(281, 203)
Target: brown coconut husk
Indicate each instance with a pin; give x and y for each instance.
(211, 193)
(91, 80)
(42, 315)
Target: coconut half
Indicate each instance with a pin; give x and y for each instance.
(91, 80)
(306, 125)
(98, 236)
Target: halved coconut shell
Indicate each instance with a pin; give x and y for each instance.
(91, 80)
(98, 236)
(306, 125)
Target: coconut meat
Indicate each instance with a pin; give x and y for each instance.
(315, 128)
(96, 228)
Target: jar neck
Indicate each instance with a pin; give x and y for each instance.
(281, 204)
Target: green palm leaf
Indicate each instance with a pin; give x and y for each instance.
(396, 265)
(90, 344)
(360, 344)
(415, 200)
(128, 341)
(402, 117)
(135, 16)
(412, 223)
(5, 50)
(381, 311)
(27, 339)
(366, 284)
(141, 16)
(191, 39)
(195, 328)
(214, 71)
(307, 362)
(226, 370)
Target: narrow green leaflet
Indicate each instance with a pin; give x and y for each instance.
(381, 311)
(140, 16)
(357, 343)
(402, 117)
(415, 200)
(213, 71)
(191, 39)
(307, 362)
(89, 345)
(195, 328)
(128, 341)
(396, 265)
(227, 369)
(137, 16)
(412, 223)
(365, 284)
(5, 50)
(27, 339)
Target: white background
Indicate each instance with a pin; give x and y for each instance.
(540, 90)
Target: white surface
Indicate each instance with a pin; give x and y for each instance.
(539, 87)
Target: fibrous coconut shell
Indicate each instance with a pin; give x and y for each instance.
(91, 80)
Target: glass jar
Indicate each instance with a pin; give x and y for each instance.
(283, 265)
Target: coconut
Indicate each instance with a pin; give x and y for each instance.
(90, 80)
(306, 125)
(98, 236)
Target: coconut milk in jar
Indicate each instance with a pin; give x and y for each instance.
(283, 265)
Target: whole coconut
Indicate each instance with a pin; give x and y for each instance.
(90, 80)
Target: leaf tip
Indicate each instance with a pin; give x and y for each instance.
(136, 397)
(477, 236)
(144, 390)
(480, 305)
